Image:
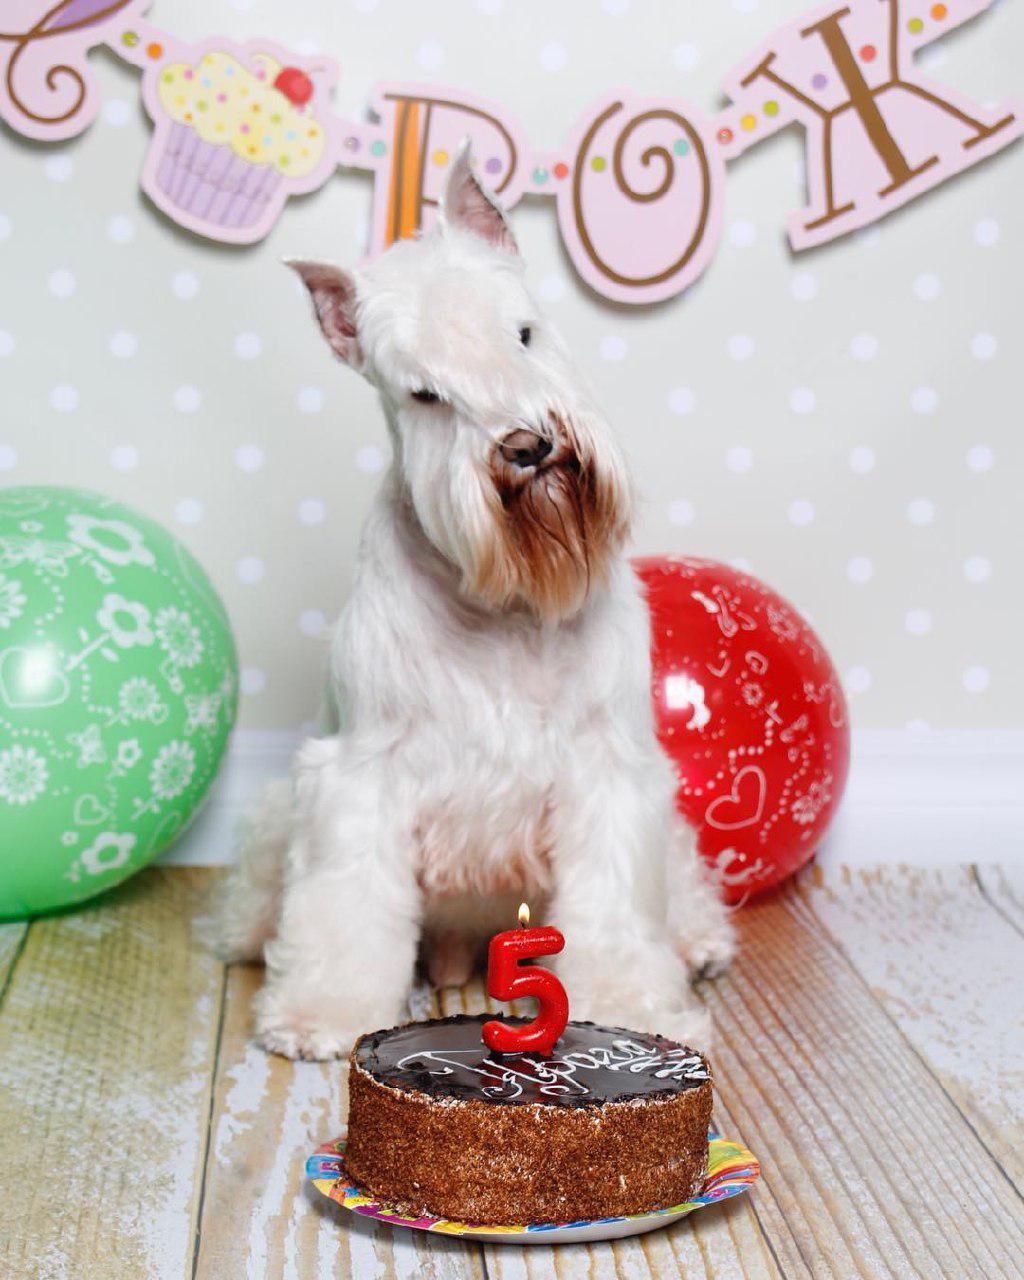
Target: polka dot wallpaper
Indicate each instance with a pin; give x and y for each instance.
(844, 422)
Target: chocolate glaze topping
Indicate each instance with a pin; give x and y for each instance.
(590, 1065)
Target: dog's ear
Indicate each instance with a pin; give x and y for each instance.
(466, 204)
(334, 296)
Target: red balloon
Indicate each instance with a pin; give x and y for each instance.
(750, 709)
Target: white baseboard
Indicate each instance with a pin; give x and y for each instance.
(253, 759)
(926, 799)
(932, 799)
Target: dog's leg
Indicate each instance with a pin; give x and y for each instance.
(610, 823)
(698, 919)
(343, 958)
(450, 958)
(246, 907)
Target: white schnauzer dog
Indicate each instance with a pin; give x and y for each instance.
(492, 735)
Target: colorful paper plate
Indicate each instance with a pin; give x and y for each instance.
(731, 1171)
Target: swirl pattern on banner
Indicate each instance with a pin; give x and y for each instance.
(52, 31)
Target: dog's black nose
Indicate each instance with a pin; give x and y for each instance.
(524, 449)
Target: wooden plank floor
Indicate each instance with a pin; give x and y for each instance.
(870, 1051)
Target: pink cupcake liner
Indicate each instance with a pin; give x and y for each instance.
(208, 181)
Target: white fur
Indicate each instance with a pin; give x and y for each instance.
(481, 750)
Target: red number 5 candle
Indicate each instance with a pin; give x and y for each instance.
(507, 981)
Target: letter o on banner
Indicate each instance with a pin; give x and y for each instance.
(642, 212)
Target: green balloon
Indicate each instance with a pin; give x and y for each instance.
(118, 690)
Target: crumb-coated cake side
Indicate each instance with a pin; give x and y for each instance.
(614, 1122)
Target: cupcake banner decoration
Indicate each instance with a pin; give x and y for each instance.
(638, 183)
(237, 130)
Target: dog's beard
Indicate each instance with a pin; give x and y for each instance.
(551, 531)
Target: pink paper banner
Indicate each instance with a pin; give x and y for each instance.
(638, 183)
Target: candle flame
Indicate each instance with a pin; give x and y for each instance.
(524, 914)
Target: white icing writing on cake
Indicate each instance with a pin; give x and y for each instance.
(556, 1076)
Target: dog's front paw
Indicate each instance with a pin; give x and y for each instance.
(299, 1022)
(710, 953)
(675, 1013)
(689, 1026)
(294, 1037)
(688, 1022)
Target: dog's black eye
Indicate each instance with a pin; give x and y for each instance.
(525, 334)
(426, 397)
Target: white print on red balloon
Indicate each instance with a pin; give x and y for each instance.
(744, 805)
(637, 184)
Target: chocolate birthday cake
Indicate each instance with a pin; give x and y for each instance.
(613, 1122)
